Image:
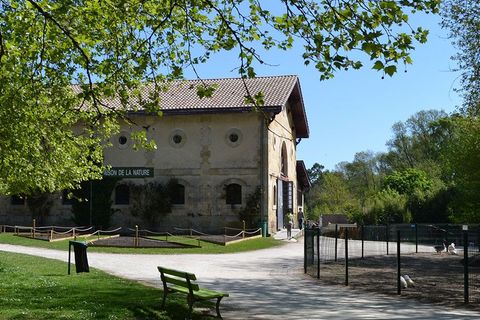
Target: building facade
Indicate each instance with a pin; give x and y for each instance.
(225, 160)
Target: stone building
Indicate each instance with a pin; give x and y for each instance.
(220, 153)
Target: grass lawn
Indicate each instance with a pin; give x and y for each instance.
(206, 247)
(39, 288)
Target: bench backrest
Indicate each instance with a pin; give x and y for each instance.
(178, 278)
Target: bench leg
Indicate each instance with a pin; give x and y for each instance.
(218, 307)
(190, 306)
(164, 298)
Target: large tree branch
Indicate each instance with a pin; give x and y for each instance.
(77, 45)
(2, 48)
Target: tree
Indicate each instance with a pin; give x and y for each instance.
(463, 160)
(362, 174)
(462, 19)
(331, 196)
(315, 173)
(384, 207)
(129, 50)
(152, 201)
(417, 142)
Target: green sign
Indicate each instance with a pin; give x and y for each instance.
(129, 172)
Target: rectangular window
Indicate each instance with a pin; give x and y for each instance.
(122, 194)
(178, 194)
(234, 194)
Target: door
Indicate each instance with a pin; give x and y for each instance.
(279, 204)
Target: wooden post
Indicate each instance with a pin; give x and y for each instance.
(74, 235)
(51, 234)
(243, 233)
(33, 229)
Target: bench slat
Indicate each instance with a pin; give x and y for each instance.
(202, 294)
(180, 282)
(209, 294)
(177, 273)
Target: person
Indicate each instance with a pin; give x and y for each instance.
(289, 225)
(300, 218)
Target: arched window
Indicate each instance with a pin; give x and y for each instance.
(284, 161)
(178, 194)
(122, 194)
(233, 193)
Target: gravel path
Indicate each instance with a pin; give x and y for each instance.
(264, 284)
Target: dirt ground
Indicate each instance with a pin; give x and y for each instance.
(129, 242)
(439, 278)
(145, 242)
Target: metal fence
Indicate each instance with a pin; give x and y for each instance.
(376, 258)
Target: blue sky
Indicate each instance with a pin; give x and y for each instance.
(355, 110)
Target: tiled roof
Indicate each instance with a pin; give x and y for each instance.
(229, 93)
(229, 96)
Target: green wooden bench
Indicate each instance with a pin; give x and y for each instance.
(181, 281)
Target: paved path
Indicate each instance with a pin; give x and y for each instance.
(264, 284)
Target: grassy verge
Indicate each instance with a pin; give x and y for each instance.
(33, 288)
(206, 247)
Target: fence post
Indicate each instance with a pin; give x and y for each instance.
(465, 264)
(336, 241)
(399, 285)
(33, 229)
(416, 238)
(346, 256)
(478, 239)
(305, 240)
(136, 236)
(363, 240)
(318, 252)
(312, 245)
(387, 235)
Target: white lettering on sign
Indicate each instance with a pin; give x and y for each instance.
(133, 172)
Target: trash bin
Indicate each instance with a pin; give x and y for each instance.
(80, 251)
(264, 227)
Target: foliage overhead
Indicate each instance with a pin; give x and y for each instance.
(462, 19)
(117, 48)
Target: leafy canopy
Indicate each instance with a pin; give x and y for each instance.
(53, 133)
